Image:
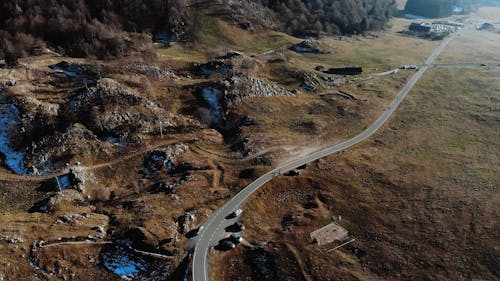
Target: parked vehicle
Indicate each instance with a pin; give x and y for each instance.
(292, 173)
(199, 230)
(226, 244)
(235, 238)
(235, 227)
(234, 214)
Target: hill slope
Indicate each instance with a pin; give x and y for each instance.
(108, 29)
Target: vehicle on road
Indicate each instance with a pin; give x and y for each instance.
(195, 232)
(292, 173)
(235, 227)
(235, 238)
(234, 214)
(413, 66)
(226, 244)
(199, 229)
(484, 64)
(200, 256)
(303, 167)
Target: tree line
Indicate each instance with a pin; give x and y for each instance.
(304, 17)
(430, 8)
(109, 28)
(82, 28)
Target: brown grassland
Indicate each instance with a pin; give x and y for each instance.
(420, 196)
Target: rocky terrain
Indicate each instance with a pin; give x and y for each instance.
(110, 163)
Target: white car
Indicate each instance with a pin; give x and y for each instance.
(199, 230)
(238, 212)
(235, 213)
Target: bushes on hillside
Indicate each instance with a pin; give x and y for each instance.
(430, 8)
(83, 28)
(106, 28)
(331, 16)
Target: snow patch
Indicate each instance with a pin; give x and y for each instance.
(9, 120)
(211, 96)
(121, 261)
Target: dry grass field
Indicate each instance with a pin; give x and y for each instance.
(419, 197)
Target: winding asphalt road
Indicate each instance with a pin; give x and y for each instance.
(214, 226)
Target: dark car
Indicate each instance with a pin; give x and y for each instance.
(195, 232)
(235, 238)
(235, 227)
(302, 167)
(226, 244)
(292, 173)
(199, 229)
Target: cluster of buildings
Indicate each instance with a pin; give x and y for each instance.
(434, 30)
(436, 26)
(494, 27)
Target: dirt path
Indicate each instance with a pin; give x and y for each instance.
(149, 147)
(226, 159)
(38, 178)
(75, 243)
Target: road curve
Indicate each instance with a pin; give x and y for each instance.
(217, 221)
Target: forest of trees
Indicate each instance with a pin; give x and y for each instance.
(107, 28)
(304, 17)
(82, 28)
(430, 8)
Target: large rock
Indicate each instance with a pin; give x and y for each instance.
(76, 141)
(149, 71)
(239, 88)
(156, 160)
(111, 109)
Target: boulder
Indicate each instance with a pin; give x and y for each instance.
(239, 88)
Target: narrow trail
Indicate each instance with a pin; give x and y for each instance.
(225, 159)
(144, 150)
(149, 147)
(75, 243)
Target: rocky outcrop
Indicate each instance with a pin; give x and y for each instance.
(148, 70)
(313, 82)
(239, 88)
(111, 109)
(156, 160)
(50, 204)
(77, 140)
(44, 136)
